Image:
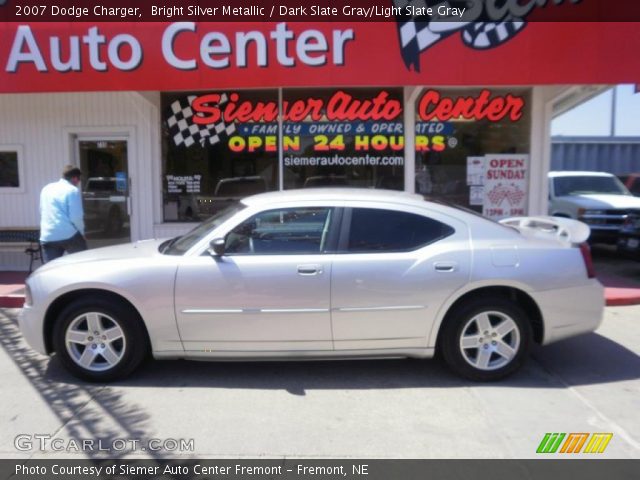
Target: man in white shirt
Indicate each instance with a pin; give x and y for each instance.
(61, 216)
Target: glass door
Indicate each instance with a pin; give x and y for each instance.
(105, 190)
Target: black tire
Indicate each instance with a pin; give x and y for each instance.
(131, 349)
(466, 319)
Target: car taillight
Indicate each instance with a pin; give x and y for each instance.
(588, 262)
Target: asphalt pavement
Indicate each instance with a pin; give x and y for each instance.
(339, 409)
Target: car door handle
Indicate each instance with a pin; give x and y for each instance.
(309, 269)
(445, 266)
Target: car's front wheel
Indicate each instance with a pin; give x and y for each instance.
(99, 340)
(486, 339)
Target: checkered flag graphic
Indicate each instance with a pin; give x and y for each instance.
(418, 33)
(484, 35)
(512, 193)
(497, 194)
(515, 196)
(185, 132)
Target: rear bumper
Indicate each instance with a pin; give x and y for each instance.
(572, 311)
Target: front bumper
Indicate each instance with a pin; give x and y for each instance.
(629, 246)
(603, 235)
(31, 326)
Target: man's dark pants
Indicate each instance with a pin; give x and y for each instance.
(53, 250)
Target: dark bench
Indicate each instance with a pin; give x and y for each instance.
(25, 239)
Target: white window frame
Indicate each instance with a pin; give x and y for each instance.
(19, 149)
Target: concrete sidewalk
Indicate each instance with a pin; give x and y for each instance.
(332, 409)
(620, 277)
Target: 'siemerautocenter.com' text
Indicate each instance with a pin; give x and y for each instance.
(46, 443)
(341, 160)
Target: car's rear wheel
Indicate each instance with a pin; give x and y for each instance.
(486, 339)
(100, 340)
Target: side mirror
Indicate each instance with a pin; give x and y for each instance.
(216, 246)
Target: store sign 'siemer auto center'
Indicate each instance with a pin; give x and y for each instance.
(371, 123)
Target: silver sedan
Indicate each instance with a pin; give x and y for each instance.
(326, 273)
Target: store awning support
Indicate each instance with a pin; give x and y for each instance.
(542, 111)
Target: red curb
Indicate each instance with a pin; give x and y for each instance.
(11, 302)
(622, 302)
(621, 299)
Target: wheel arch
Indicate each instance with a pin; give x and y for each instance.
(514, 294)
(60, 303)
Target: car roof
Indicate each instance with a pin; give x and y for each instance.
(346, 194)
(334, 194)
(579, 173)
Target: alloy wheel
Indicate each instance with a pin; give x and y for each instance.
(490, 340)
(95, 341)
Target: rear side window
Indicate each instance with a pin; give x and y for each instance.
(379, 230)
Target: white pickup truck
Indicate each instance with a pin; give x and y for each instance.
(596, 198)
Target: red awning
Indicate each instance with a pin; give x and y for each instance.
(56, 57)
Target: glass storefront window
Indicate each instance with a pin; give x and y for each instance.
(10, 174)
(472, 145)
(217, 147)
(343, 137)
(471, 138)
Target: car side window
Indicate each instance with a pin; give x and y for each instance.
(281, 232)
(379, 230)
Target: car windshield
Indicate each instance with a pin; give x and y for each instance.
(586, 185)
(179, 245)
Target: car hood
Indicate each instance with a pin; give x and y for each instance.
(601, 201)
(140, 249)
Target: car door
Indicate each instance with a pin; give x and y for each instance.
(269, 291)
(393, 270)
